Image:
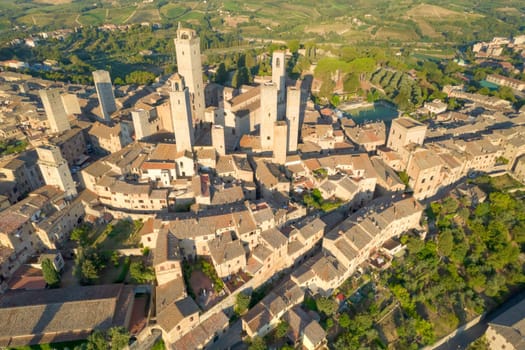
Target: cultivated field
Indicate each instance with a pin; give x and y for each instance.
(52, 2)
(335, 21)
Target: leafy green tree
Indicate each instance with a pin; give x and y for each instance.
(476, 278)
(241, 77)
(257, 343)
(242, 302)
(116, 338)
(451, 67)
(51, 275)
(372, 95)
(403, 296)
(326, 305)
(97, 341)
(119, 338)
(453, 104)
(302, 64)
(140, 78)
(293, 45)
(349, 53)
(335, 100)
(424, 331)
(506, 93)
(141, 273)
(221, 76)
(119, 81)
(351, 83)
(329, 323)
(404, 177)
(327, 88)
(282, 329)
(88, 271)
(445, 243)
(459, 252)
(362, 65)
(80, 235)
(480, 75)
(495, 285)
(344, 321)
(449, 205)
(250, 60)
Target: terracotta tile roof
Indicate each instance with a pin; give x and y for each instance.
(168, 293)
(67, 310)
(157, 165)
(164, 151)
(174, 313)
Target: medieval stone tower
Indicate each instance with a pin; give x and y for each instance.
(181, 113)
(188, 50)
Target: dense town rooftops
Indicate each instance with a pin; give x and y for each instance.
(408, 123)
(164, 152)
(274, 238)
(201, 335)
(167, 248)
(174, 313)
(223, 248)
(97, 169)
(225, 165)
(426, 159)
(233, 194)
(167, 293)
(26, 314)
